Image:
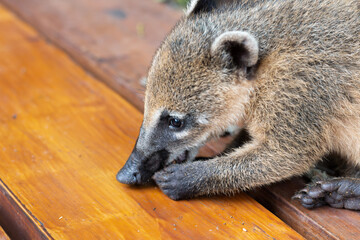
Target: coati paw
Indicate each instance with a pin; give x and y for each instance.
(177, 181)
(336, 192)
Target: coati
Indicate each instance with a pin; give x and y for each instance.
(288, 69)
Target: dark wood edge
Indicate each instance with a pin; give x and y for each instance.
(3, 234)
(291, 215)
(17, 221)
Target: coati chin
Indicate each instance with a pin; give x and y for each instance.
(290, 70)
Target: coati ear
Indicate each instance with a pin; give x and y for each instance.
(236, 49)
(196, 6)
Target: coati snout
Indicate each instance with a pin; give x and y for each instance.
(156, 148)
(140, 168)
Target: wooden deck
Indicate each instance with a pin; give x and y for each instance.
(3, 235)
(65, 134)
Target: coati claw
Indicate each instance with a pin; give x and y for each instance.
(336, 192)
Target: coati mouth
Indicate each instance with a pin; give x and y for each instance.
(181, 158)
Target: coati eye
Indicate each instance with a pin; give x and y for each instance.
(175, 122)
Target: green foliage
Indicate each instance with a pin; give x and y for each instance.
(181, 3)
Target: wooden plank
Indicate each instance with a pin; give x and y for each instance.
(120, 56)
(65, 135)
(114, 39)
(16, 219)
(321, 223)
(3, 235)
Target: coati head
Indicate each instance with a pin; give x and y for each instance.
(196, 88)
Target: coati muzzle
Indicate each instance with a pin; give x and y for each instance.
(139, 168)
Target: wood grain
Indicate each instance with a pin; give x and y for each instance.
(321, 223)
(115, 40)
(102, 37)
(3, 235)
(16, 219)
(64, 136)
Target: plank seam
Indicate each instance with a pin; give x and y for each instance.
(301, 213)
(5, 190)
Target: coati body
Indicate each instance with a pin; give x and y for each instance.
(290, 70)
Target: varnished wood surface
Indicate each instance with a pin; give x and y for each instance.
(114, 39)
(321, 223)
(16, 219)
(64, 135)
(103, 44)
(3, 235)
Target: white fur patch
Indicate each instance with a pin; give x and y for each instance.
(190, 7)
(203, 120)
(154, 118)
(182, 134)
(233, 129)
(243, 38)
(177, 114)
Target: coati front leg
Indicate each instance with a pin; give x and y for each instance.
(253, 165)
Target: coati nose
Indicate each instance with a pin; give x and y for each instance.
(128, 174)
(127, 177)
(139, 168)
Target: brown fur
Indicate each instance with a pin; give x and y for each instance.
(299, 102)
